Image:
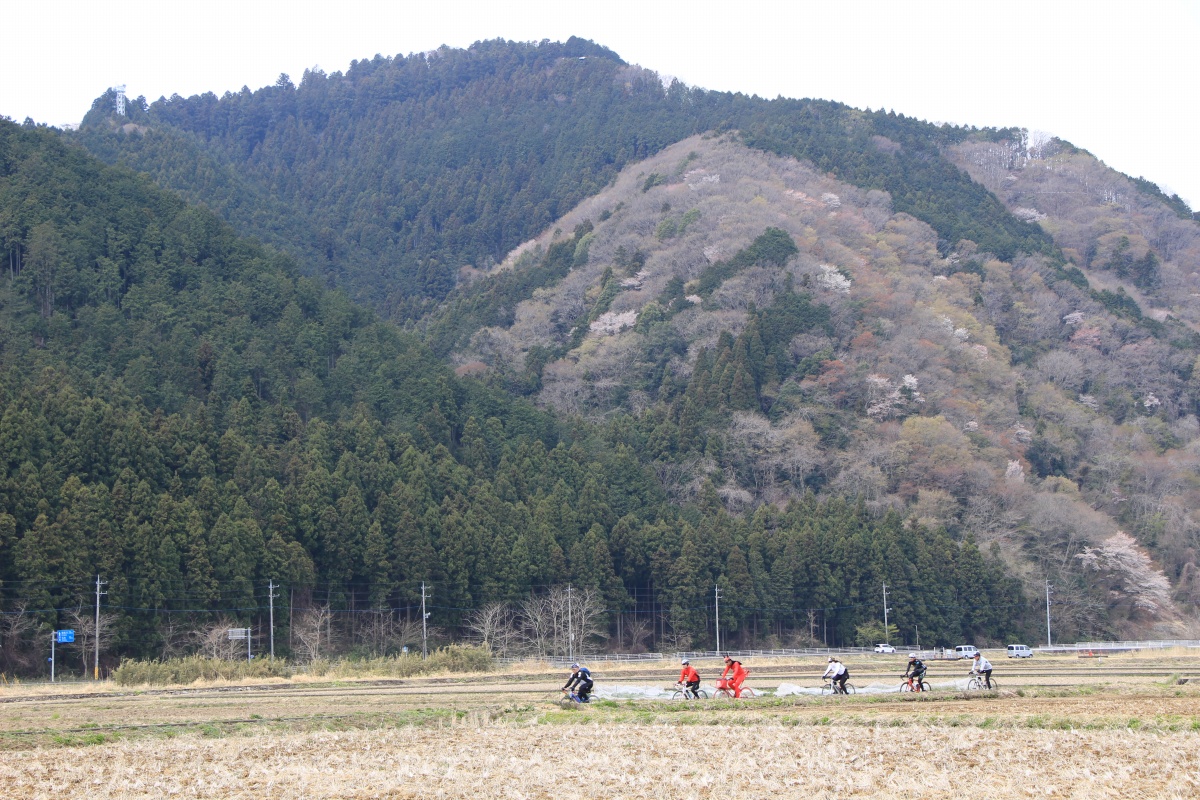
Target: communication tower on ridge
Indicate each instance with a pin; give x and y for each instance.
(119, 103)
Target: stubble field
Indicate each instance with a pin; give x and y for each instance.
(1126, 726)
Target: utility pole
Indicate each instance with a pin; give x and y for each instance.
(96, 661)
(424, 625)
(271, 597)
(917, 628)
(717, 597)
(885, 616)
(570, 629)
(1048, 642)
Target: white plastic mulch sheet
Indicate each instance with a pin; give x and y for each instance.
(626, 691)
(786, 689)
(629, 691)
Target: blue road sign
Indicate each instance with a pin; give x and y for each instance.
(64, 637)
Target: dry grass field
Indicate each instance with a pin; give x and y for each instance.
(1119, 727)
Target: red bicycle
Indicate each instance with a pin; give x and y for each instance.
(724, 689)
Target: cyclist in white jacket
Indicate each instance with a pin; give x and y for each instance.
(983, 667)
(838, 673)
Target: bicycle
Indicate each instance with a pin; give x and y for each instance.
(571, 700)
(908, 686)
(976, 684)
(833, 687)
(723, 690)
(683, 693)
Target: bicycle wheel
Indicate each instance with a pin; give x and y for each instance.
(974, 685)
(723, 694)
(703, 694)
(850, 688)
(679, 696)
(748, 692)
(925, 687)
(995, 684)
(906, 687)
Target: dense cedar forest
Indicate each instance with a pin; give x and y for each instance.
(189, 417)
(337, 348)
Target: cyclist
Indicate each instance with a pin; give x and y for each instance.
(580, 682)
(915, 673)
(690, 679)
(837, 673)
(982, 667)
(737, 675)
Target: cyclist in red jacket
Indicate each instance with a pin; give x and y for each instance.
(737, 675)
(690, 679)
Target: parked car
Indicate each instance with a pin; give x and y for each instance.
(1019, 651)
(965, 651)
(884, 648)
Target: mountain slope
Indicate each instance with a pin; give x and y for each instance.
(998, 399)
(404, 170)
(1124, 233)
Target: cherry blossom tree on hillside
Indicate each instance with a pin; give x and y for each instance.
(1129, 575)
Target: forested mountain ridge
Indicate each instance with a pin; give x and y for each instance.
(746, 319)
(798, 354)
(193, 421)
(404, 170)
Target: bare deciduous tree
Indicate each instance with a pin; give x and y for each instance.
(177, 636)
(493, 626)
(212, 640)
(638, 631)
(376, 631)
(84, 623)
(560, 621)
(16, 627)
(312, 629)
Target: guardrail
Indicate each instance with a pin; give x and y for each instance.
(927, 654)
(556, 661)
(797, 651)
(697, 654)
(1112, 647)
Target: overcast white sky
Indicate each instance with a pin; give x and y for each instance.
(1116, 78)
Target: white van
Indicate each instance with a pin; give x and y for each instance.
(965, 651)
(1019, 651)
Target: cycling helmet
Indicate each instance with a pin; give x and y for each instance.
(832, 659)
(575, 666)
(685, 662)
(912, 658)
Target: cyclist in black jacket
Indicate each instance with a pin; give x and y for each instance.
(580, 682)
(916, 671)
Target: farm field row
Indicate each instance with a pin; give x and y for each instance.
(1109, 689)
(1123, 727)
(822, 749)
